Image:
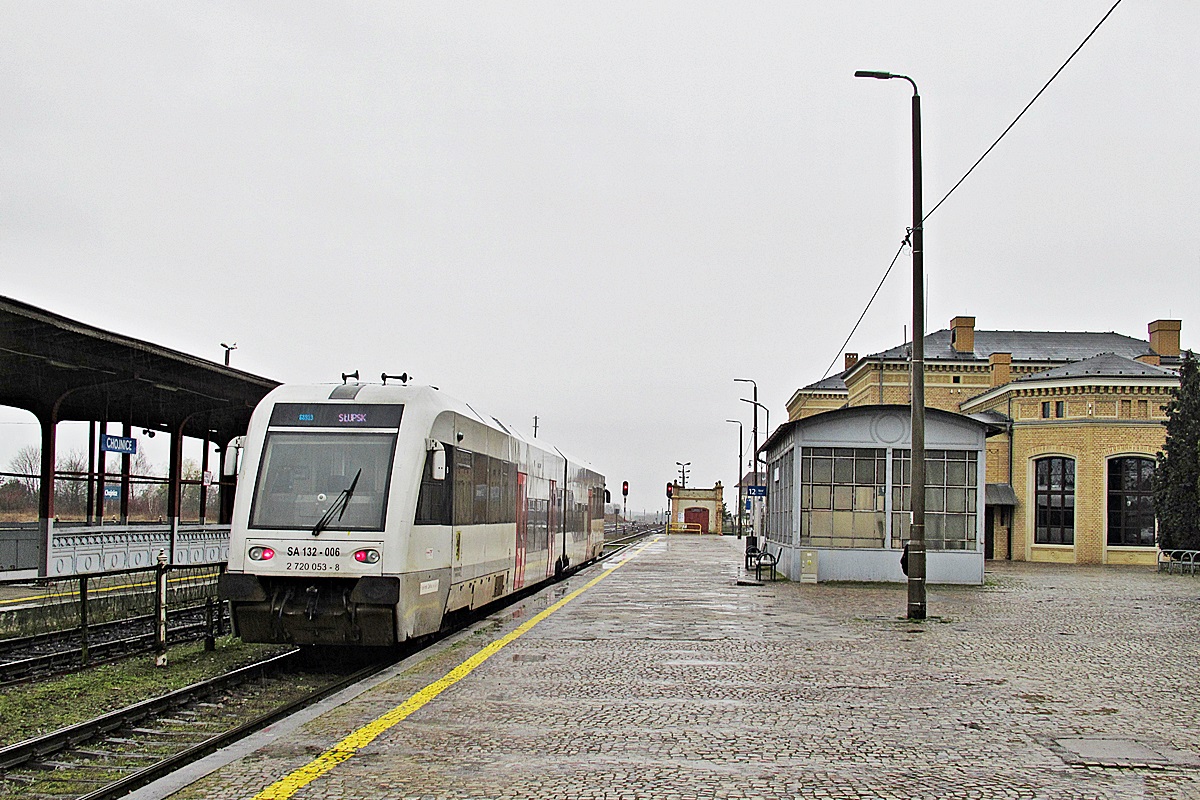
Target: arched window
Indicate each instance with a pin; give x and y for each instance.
(1131, 501)
(1055, 500)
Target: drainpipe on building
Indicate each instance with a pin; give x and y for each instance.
(1010, 476)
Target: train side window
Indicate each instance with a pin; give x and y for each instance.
(433, 502)
(479, 513)
(496, 488)
(510, 492)
(464, 486)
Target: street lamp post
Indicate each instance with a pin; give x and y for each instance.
(683, 471)
(916, 546)
(753, 461)
(741, 446)
(757, 502)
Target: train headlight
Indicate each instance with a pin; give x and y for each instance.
(367, 556)
(261, 553)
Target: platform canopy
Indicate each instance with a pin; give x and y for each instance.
(60, 369)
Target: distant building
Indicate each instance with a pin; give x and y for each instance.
(1080, 418)
(698, 510)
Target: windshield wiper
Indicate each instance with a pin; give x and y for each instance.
(337, 507)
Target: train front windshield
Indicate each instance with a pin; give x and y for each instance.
(304, 474)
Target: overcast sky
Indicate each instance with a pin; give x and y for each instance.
(597, 213)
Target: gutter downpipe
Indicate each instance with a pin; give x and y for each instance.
(1010, 474)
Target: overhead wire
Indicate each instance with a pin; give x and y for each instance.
(1074, 53)
(967, 174)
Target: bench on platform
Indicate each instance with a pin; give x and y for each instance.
(766, 559)
(758, 559)
(1183, 560)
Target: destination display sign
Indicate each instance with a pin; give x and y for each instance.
(336, 415)
(118, 444)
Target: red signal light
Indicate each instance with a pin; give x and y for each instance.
(670, 490)
(625, 488)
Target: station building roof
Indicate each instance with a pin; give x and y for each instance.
(1044, 346)
(61, 369)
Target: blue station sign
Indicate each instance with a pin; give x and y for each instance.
(118, 444)
(756, 491)
(112, 492)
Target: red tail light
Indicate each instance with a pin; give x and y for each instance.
(367, 556)
(261, 553)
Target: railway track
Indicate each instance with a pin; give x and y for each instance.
(41, 655)
(114, 754)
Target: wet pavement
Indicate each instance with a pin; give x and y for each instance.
(667, 679)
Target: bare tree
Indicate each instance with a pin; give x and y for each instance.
(28, 464)
(71, 485)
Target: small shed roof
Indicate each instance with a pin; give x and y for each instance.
(999, 494)
(887, 426)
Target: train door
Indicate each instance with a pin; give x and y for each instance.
(553, 548)
(587, 523)
(522, 532)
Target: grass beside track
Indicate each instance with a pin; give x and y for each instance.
(39, 707)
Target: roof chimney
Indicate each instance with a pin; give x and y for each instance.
(1150, 358)
(1000, 365)
(962, 334)
(851, 360)
(1164, 336)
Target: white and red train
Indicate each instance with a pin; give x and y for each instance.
(370, 514)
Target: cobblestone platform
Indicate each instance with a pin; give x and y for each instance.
(668, 680)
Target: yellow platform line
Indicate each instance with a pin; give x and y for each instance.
(347, 748)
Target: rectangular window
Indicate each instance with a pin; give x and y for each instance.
(1054, 500)
(842, 496)
(1131, 501)
(1060, 408)
(1046, 410)
(464, 487)
(433, 502)
(951, 497)
(303, 474)
(781, 499)
(479, 503)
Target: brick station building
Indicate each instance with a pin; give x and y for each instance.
(698, 507)
(1082, 416)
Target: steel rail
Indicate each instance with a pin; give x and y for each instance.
(25, 669)
(181, 759)
(48, 743)
(97, 628)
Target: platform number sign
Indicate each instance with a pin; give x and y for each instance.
(624, 488)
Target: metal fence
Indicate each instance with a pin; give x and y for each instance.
(91, 549)
(118, 600)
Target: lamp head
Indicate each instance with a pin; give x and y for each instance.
(869, 73)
